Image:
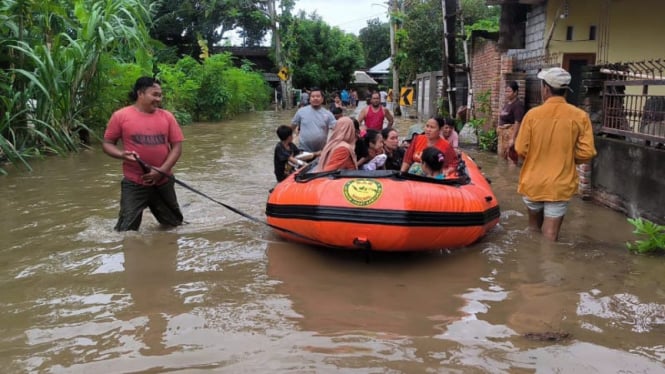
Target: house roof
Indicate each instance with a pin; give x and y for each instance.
(360, 77)
(382, 67)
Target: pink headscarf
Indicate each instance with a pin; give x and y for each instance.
(343, 135)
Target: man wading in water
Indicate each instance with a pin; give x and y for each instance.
(374, 114)
(152, 135)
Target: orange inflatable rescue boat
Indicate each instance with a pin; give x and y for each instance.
(383, 210)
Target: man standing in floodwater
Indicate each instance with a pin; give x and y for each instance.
(313, 123)
(152, 135)
(374, 114)
(553, 138)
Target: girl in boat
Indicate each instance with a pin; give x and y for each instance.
(433, 161)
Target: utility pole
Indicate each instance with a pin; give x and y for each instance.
(467, 65)
(449, 10)
(279, 57)
(393, 52)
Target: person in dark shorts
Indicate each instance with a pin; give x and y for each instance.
(151, 146)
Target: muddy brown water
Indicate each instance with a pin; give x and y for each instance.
(224, 294)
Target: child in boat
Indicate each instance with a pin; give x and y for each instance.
(285, 154)
(433, 161)
(376, 158)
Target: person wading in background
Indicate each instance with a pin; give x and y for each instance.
(313, 123)
(552, 139)
(374, 114)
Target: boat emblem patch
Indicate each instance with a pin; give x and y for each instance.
(362, 192)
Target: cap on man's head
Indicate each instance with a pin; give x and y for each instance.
(555, 77)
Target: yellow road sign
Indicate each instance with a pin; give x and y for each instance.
(406, 96)
(283, 73)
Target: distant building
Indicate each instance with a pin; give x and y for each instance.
(381, 72)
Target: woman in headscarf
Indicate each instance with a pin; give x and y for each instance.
(339, 152)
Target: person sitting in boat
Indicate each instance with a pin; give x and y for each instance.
(376, 159)
(414, 130)
(339, 153)
(362, 152)
(391, 148)
(433, 163)
(448, 132)
(285, 160)
(431, 138)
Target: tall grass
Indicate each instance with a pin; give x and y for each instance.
(75, 61)
(56, 70)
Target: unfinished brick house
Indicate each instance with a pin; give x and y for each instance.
(613, 50)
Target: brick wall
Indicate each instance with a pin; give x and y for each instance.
(486, 70)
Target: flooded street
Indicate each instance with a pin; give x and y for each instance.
(225, 294)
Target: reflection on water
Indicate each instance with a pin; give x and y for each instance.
(150, 273)
(224, 294)
(392, 294)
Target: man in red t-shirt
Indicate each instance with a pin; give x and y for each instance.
(374, 114)
(152, 135)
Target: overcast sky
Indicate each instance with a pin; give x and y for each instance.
(348, 15)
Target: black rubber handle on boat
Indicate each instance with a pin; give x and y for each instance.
(147, 167)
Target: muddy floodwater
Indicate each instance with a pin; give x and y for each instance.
(225, 294)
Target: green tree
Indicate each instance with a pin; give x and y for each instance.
(424, 26)
(321, 56)
(179, 24)
(254, 21)
(478, 10)
(424, 45)
(375, 39)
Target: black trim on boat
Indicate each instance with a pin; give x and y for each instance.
(382, 216)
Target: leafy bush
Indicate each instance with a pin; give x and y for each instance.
(228, 90)
(250, 92)
(214, 95)
(181, 84)
(654, 233)
(488, 140)
(183, 118)
(111, 90)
